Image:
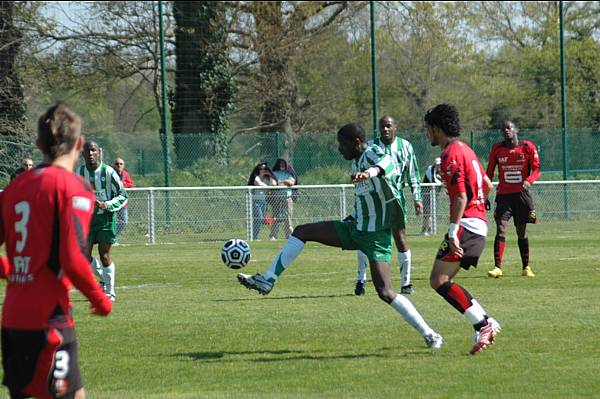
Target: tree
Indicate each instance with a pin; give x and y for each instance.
(275, 35)
(12, 104)
(204, 88)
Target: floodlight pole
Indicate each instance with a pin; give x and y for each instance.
(374, 71)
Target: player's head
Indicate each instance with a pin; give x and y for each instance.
(59, 131)
(387, 129)
(119, 165)
(91, 154)
(27, 163)
(509, 130)
(443, 119)
(351, 139)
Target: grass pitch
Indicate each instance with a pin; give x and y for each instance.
(183, 327)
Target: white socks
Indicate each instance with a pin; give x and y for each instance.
(361, 266)
(109, 279)
(411, 314)
(288, 254)
(97, 268)
(475, 313)
(404, 258)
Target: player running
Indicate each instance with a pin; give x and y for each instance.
(518, 168)
(374, 177)
(45, 215)
(468, 188)
(110, 196)
(404, 159)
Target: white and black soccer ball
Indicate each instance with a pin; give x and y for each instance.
(235, 253)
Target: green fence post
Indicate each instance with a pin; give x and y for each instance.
(164, 137)
(563, 91)
(374, 72)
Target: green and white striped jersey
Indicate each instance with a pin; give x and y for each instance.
(107, 187)
(372, 196)
(403, 156)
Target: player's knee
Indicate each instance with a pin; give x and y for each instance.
(387, 295)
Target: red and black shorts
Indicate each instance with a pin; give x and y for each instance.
(472, 245)
(518, 205)
(40, 363)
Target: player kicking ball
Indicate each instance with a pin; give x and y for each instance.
(374, 178)
(468, 188)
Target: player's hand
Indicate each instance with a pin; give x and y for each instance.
(418, 207)
(360, 176)
(101, 204)
(488, 205)
(455, 248)
(102, 310)
(526, 186)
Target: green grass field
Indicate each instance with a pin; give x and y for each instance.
(183, 327)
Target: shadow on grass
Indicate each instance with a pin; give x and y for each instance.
(279, 356)
(278, 298)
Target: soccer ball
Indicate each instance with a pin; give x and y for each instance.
(235, 253)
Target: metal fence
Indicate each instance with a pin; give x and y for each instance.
(194, 214)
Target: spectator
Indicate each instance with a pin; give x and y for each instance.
(281, 199)
(26, 164)
(262, 176)
(123, 213)
(432, 175)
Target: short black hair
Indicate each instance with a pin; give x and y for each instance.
(445, 117)
(352, 131)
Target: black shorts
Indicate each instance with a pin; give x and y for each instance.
(40, 362)
(472, 245)
(517, 205)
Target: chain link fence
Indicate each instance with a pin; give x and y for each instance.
(194, 214)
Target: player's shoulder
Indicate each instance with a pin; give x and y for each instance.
(498, 145)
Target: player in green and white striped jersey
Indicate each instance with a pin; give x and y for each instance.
(376, 195)
(405, 161)
(110, 196)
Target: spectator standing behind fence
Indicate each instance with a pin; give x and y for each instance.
(123, 213)
(261, 176)
(281, 199)
(26, 164)
(432, 175)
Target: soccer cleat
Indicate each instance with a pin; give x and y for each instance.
(527, 272)
(112, 297)
(495, 272)
(359, 288)
(485, 337)
(407, 289)
(256, 282)
(434, 340)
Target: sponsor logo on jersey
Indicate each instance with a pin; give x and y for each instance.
(82, 203)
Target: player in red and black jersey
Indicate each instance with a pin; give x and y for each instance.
(518, 168)
(45, 218)
(468, 188)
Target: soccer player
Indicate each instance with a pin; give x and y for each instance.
(373, 175)
(45, 218)
(518, 168)
(404, 159)
(110, 196)
(468, 188)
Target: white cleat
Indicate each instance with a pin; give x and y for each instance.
(256, 282)
(434, 340)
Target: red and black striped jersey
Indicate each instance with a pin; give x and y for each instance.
(515, 164)
(45, 219)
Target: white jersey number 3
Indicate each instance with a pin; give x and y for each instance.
(22, 208)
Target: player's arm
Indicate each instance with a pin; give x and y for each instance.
(413, 175)
(119, 200)
(4, 267)
(75, 214)
(459, 204)
(380, 164)
(534, 164)
(492, 164)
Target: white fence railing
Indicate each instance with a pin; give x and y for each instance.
(191, 214)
